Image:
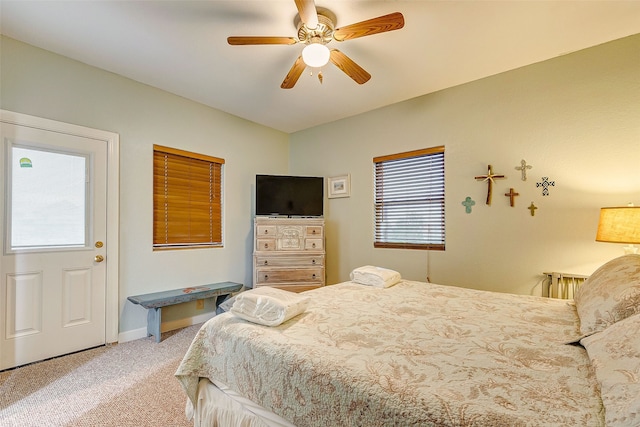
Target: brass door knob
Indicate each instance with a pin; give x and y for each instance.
(99, 258)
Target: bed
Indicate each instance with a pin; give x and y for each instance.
(419, 354)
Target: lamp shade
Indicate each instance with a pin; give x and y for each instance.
(619, 225)
(315, 55)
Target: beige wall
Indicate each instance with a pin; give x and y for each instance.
(575, 118)
(40, 83)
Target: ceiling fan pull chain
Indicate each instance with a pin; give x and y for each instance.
(320, 76)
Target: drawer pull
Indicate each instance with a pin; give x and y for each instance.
(266, 246)
(313, 261)
(266, 262)
(266, 277)
(313, 245)
(266, 231)
(313, 232)
(313, 275)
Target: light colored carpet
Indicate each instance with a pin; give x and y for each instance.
(129, 384)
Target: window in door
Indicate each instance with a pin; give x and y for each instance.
(409, 200)
(187, 199)
(48, 195)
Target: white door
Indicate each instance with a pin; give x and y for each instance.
(53, 281)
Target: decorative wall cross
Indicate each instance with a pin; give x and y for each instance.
(511, 194)
(468, 202)
(489, 177)
(532, 208)
(545, 184)
(523, 169)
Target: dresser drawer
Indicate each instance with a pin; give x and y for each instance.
(265, 244)
(313, 244)
(266, 230)
(294, 288)
(313, 231)
(293, 261)
(266, 276)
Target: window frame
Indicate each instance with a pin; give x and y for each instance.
(403, 160)
(202, 178)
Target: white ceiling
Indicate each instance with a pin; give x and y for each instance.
(181, 47)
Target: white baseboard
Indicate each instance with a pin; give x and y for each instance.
(133, 335)
(137, 334)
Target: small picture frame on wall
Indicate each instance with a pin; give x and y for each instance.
(339, 186)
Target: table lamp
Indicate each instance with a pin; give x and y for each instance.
(620, 225)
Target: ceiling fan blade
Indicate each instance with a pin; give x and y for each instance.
(252, 40)
(294, 74)
(308, 13)
(350, 68)
(381, 24)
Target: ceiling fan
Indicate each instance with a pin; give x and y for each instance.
(316, 29)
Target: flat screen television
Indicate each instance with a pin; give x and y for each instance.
(289, 195)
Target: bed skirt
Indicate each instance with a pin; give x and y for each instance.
(219, 406)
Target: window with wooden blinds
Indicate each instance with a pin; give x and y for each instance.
(409, 200)
(187, 199)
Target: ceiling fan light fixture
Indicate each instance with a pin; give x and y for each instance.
(315, 55)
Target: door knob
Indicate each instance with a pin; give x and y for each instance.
(99, 258)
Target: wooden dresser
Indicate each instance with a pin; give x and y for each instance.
(289, 253)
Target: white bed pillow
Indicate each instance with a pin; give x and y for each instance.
(268, 306)
(375, 276)
(615, 357)
(610, 294)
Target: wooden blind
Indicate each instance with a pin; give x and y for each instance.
(187, 199)
(409, 200)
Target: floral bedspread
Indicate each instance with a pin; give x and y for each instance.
(414, 354)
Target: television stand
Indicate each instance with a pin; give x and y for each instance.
(289, 253)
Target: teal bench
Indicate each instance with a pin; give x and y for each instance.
(156, 300)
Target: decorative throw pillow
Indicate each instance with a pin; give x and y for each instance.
(610, 294)
(615, 357)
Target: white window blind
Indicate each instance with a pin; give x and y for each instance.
(409, 200)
